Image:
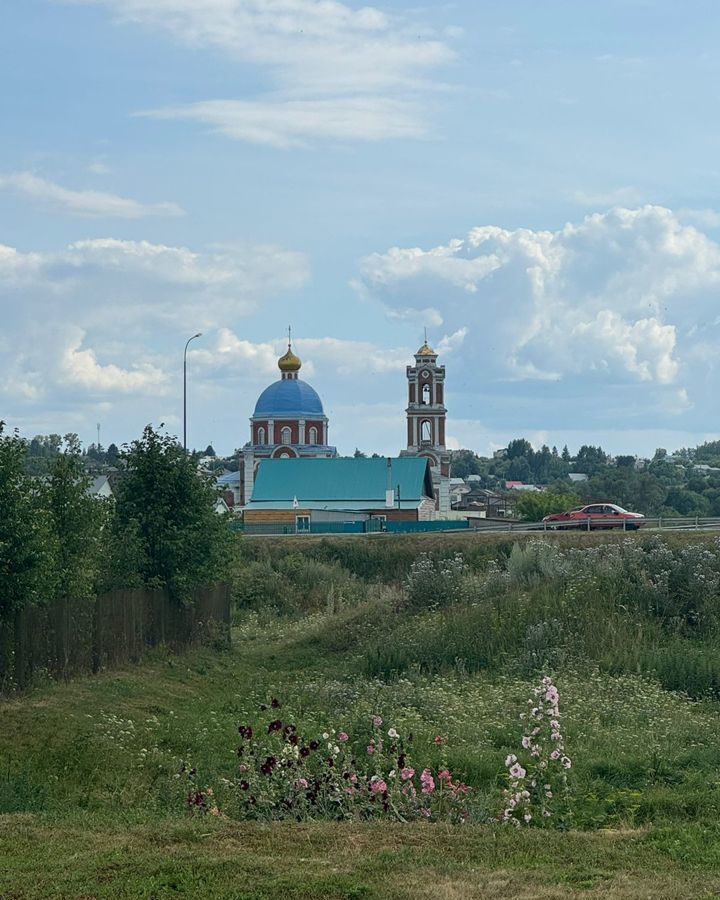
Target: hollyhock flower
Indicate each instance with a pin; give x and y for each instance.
(393, 733)
(407, 773)
(439, 739)
(426, 813)
(275, 703)
(566, 762)
(342, 737)
(427, 781)
(444, 775)
(526, 742)
(246, 731)
(517, 771)
(275, 725)
(371, 749)
(377, 721)
(509, 760)
(555, 754)
(325, 735)
(301, 782)
(377, 785)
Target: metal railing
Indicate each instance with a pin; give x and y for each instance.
(609, 523)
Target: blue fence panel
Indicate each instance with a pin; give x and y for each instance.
(435, 525)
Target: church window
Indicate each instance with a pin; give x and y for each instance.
(426, 394)
(313, 436)
(426, 432)
(286, 435)
(261, 436)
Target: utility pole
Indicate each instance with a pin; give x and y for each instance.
(199, 334)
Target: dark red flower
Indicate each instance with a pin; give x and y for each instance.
(245, 785)
(269, 764)
(245, 731)
(314, 745)
(275, 725)
(275, 703)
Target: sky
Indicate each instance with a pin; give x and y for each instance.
(537, 184)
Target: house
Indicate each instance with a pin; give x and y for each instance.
(576, 477)
(297, 492)
(458, 488)
(230, 482)
(100, 487)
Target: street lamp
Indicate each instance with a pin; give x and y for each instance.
(199, 334)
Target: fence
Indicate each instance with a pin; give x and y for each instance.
(370, 526)
(72, 637)
(613, 523)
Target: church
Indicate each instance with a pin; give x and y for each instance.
(289, 423)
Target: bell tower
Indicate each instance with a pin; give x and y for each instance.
(426, 415)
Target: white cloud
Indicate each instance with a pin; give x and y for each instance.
(623, 297)
(339, 72)
(96, 204)
(292, 123)
(81, 368)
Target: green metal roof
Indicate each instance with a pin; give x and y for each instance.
(347, 481)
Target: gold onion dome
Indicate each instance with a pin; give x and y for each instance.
(289, 362)
(426, 350)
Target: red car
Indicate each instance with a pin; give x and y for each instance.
(596, 515)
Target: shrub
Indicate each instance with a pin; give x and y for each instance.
(433, 584)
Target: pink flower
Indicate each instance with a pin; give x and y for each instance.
(371, 748)
(377, 785)
(407, 773)
(509, 760)
(555, 754)
(427, 781)
(350, 790)
(342, 737)
(444, 775)
(526, 741)
(426, 813)
(439, 739)
(377, 721)
(301, 782)
(517, 771)
(566, 762)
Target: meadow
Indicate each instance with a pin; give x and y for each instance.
(129, 784)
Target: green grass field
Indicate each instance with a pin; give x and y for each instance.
(92, 802)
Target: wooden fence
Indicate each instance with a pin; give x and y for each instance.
(72, 637)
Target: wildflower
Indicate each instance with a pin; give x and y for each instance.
(427, 781)
(301, 782)
(517, 771)
(325, 735)
(439, 739)
(444, 775)
(407, 773)
(313, 745)
(246, 731)
(377, 785)
(509, 760)
(426, 813)
(342, 737)
(392, 733)
(566, 762)
(275, 703)
(526, 742)
(555, 754)
(527, 817)
(377, 721)
(269, 764)
(275, 725)
(371, 749)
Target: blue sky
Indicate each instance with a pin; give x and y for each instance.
(537, 183)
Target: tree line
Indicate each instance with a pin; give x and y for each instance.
(160, 528)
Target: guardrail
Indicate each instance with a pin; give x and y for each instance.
(611, 523)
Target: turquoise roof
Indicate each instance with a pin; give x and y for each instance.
(289, 397)
(346, 481)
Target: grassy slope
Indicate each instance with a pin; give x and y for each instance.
(92, 808)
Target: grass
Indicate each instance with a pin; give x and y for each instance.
(92, 805)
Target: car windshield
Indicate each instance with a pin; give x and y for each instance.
(618, 508)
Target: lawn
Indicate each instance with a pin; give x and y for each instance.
(93, 773)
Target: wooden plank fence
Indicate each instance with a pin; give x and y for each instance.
(74, 637)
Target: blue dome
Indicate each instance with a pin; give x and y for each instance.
(289, 397)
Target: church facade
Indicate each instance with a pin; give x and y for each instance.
(289, 422)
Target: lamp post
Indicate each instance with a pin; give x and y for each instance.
(199, 334)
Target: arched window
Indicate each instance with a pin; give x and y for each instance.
(312, 439)
(426, 432)
(426, 394)
(286, 435)
(261, 436)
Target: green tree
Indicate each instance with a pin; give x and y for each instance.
(519, 447)
(519, 469)
(170, 510)
(531, 506)
(77, 520)
(464, 463)
(27, 549)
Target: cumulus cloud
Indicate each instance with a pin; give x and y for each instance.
(339, 72)
(623, 297)
(94, 204)
(103, 321)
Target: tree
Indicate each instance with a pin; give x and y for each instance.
(27, 548)
(112, 454)
(566, 454)
(77, 520)
(625, 462)
(532, 506)
(209, 451)
(169, 509)
(519, 469)
(590, 459)
(464, 463)
(519, 447)
(358, 454)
